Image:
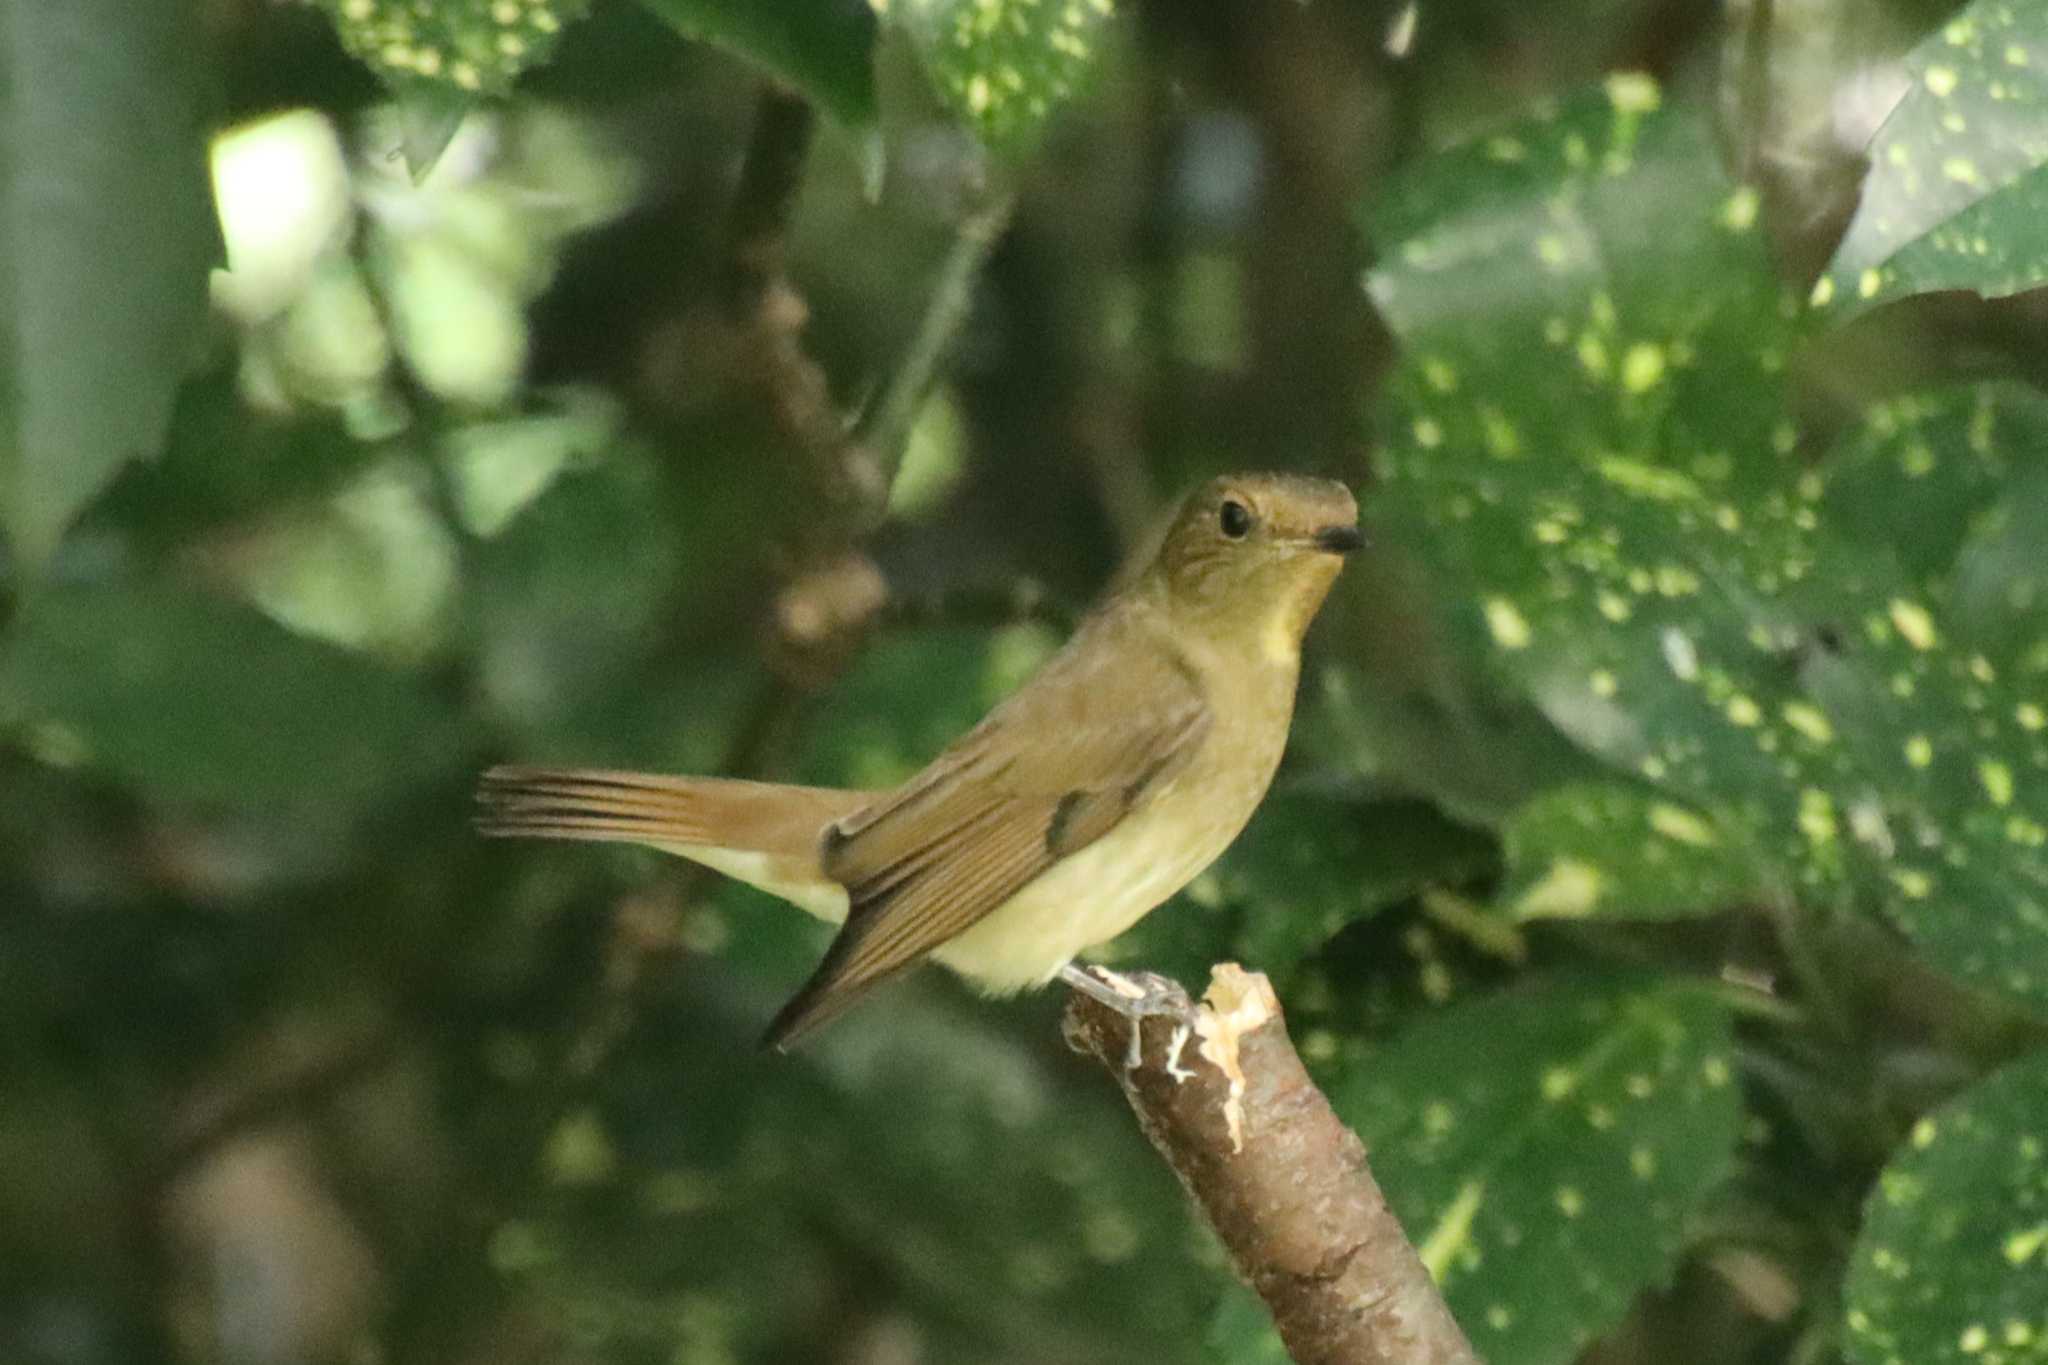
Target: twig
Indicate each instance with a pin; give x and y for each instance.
(886, 427)
(849, 468)
(1224, 1098)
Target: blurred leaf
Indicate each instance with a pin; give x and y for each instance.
(225, 462)
(1306, 867)
(988, 1196)
(438, 52)
(1006, 66)
(1242, 1332)
(560, 626)
(825, 48)
(191, 699)
(1615, 851)
(910, 695)
(108, 233)
(1445, 731)
(429, 117)
(499, 467)
(1591, 418)
(1952, 1263)
(1956, 197)
(2000, 583)
(1953, 452)
(372, 568)
(1545, 1148)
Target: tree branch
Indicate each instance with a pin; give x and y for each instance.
(1224, 1098)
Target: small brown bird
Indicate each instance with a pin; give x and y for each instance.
(1105, 784)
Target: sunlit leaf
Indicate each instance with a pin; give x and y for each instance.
(1602, 458)
(442, 50)
(1007, 66)
(1544, 1150)
(824, 48)
(1616, 851)
(107, 234)
(1957, 197)
(1952, 1263)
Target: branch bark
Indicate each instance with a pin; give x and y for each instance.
(1224, 1098)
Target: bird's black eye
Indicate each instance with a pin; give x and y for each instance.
(1235, 518)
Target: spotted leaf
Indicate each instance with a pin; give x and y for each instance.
(1752, 633)
(1544, 1149)
(1952, 1263)
(1957, 194)
(1006, 66)
(1604, 849)
(471, 47)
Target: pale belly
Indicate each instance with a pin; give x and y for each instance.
(1094, 895)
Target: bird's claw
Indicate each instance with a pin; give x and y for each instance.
(1135, 998)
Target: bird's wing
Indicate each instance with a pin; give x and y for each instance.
(1046, 774)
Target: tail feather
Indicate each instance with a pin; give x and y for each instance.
(766, 834)
(781, 821)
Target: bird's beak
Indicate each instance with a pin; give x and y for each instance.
(1339, 540)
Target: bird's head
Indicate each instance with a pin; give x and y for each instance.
(1254, 554)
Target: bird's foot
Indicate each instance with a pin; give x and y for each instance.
(1134, 997)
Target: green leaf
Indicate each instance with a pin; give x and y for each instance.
(988, 1193)
(1007, 66)
(911, 694)
(1305, 868)
(1591, 420)
(1544, 1150)
(1952, 452)
(1620, 852)
(1952, 1263)
(191, 699)
(428, 118)
(223, 462)
(106, 236)
(825, 48)
(440, 52)
(1242, 1331)
(1957, 197)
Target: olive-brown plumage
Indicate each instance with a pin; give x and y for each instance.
(1107, 782)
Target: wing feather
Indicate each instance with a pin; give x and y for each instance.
(1046, 774)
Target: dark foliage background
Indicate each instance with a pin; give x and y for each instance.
(1657, 879)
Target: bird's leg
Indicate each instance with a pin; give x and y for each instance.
(1132, 998)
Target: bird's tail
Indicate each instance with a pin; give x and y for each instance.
(780, 822)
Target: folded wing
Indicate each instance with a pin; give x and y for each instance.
(1046, 774)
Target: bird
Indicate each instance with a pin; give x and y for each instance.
(1110, 779)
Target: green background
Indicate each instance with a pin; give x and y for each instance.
(1658, 877)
